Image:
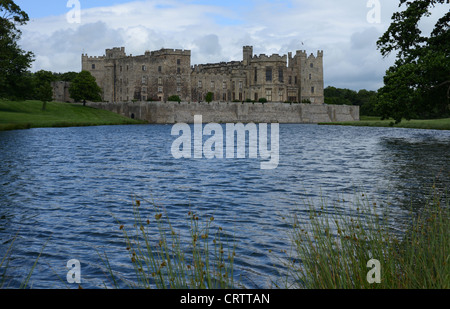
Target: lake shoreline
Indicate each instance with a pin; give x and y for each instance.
(427, 124)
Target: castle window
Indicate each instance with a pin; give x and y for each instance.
(178, 70)
(311, 65)
(178, 61)
(256, 75)
(159, 69)
(312, 89)
(200, 84)
(296, 80)
(240, 84)
(144, 68)
(269, 95)
(224, 97)
(268, 74)
(178, 89)
(178, 80)
(93, 66)
(213, 85)
(280, 75)
(281, 94)
(160, 89)
(290, 80)
(310, 76)
(144, 80)
(159, 81)
(224, 85)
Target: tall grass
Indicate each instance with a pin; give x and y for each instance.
(5, 267)
(161, 260)
(332, 249)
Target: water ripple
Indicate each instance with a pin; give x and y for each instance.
(68, 186)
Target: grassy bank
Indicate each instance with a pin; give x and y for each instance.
(433, 124)
(16, 115)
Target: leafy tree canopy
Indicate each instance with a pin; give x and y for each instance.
(418, 84)
(14, 62)
(84, 87)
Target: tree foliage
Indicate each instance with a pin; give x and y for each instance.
(174, 98)
(209, 97)
(14, 62)
(366, 99)
(42, 86)
(418, 84)
(84, 88)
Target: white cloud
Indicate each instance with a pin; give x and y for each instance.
(215, 33)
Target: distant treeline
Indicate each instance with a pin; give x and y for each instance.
(29, 83)
(365, 99)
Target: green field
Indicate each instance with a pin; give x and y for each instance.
(15, 115)
(434, 124)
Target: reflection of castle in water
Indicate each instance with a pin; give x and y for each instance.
(160, 74)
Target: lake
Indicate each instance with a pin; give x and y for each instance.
(67, 186)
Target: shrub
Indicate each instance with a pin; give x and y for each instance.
(174, 98)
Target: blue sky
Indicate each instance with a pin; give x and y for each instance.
(215, 31)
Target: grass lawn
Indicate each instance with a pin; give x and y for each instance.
(434, 124)
(29, 114)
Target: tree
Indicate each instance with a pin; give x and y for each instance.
(14, 62)
(66, 77)
(418, 84)
(84, 88)
(43, 88)
(209, 97)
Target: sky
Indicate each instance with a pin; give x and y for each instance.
(215, 31)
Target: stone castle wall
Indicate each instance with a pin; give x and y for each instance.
(161, 74)
(216, 112)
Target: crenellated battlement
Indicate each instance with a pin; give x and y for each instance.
(168, 51)
(271, 58)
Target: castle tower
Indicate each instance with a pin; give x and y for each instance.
(247, 54)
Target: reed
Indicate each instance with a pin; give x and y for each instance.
(332, 249)
(163, 260)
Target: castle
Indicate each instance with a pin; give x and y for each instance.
(157, 75)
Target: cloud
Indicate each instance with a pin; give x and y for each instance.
(217, 33)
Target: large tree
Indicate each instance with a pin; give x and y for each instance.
(42, 86)
(84, 88)
(14, 62)
(418, 84)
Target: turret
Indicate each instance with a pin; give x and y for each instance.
(247, 54)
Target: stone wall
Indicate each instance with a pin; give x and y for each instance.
(220, 112)
(61, 92)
